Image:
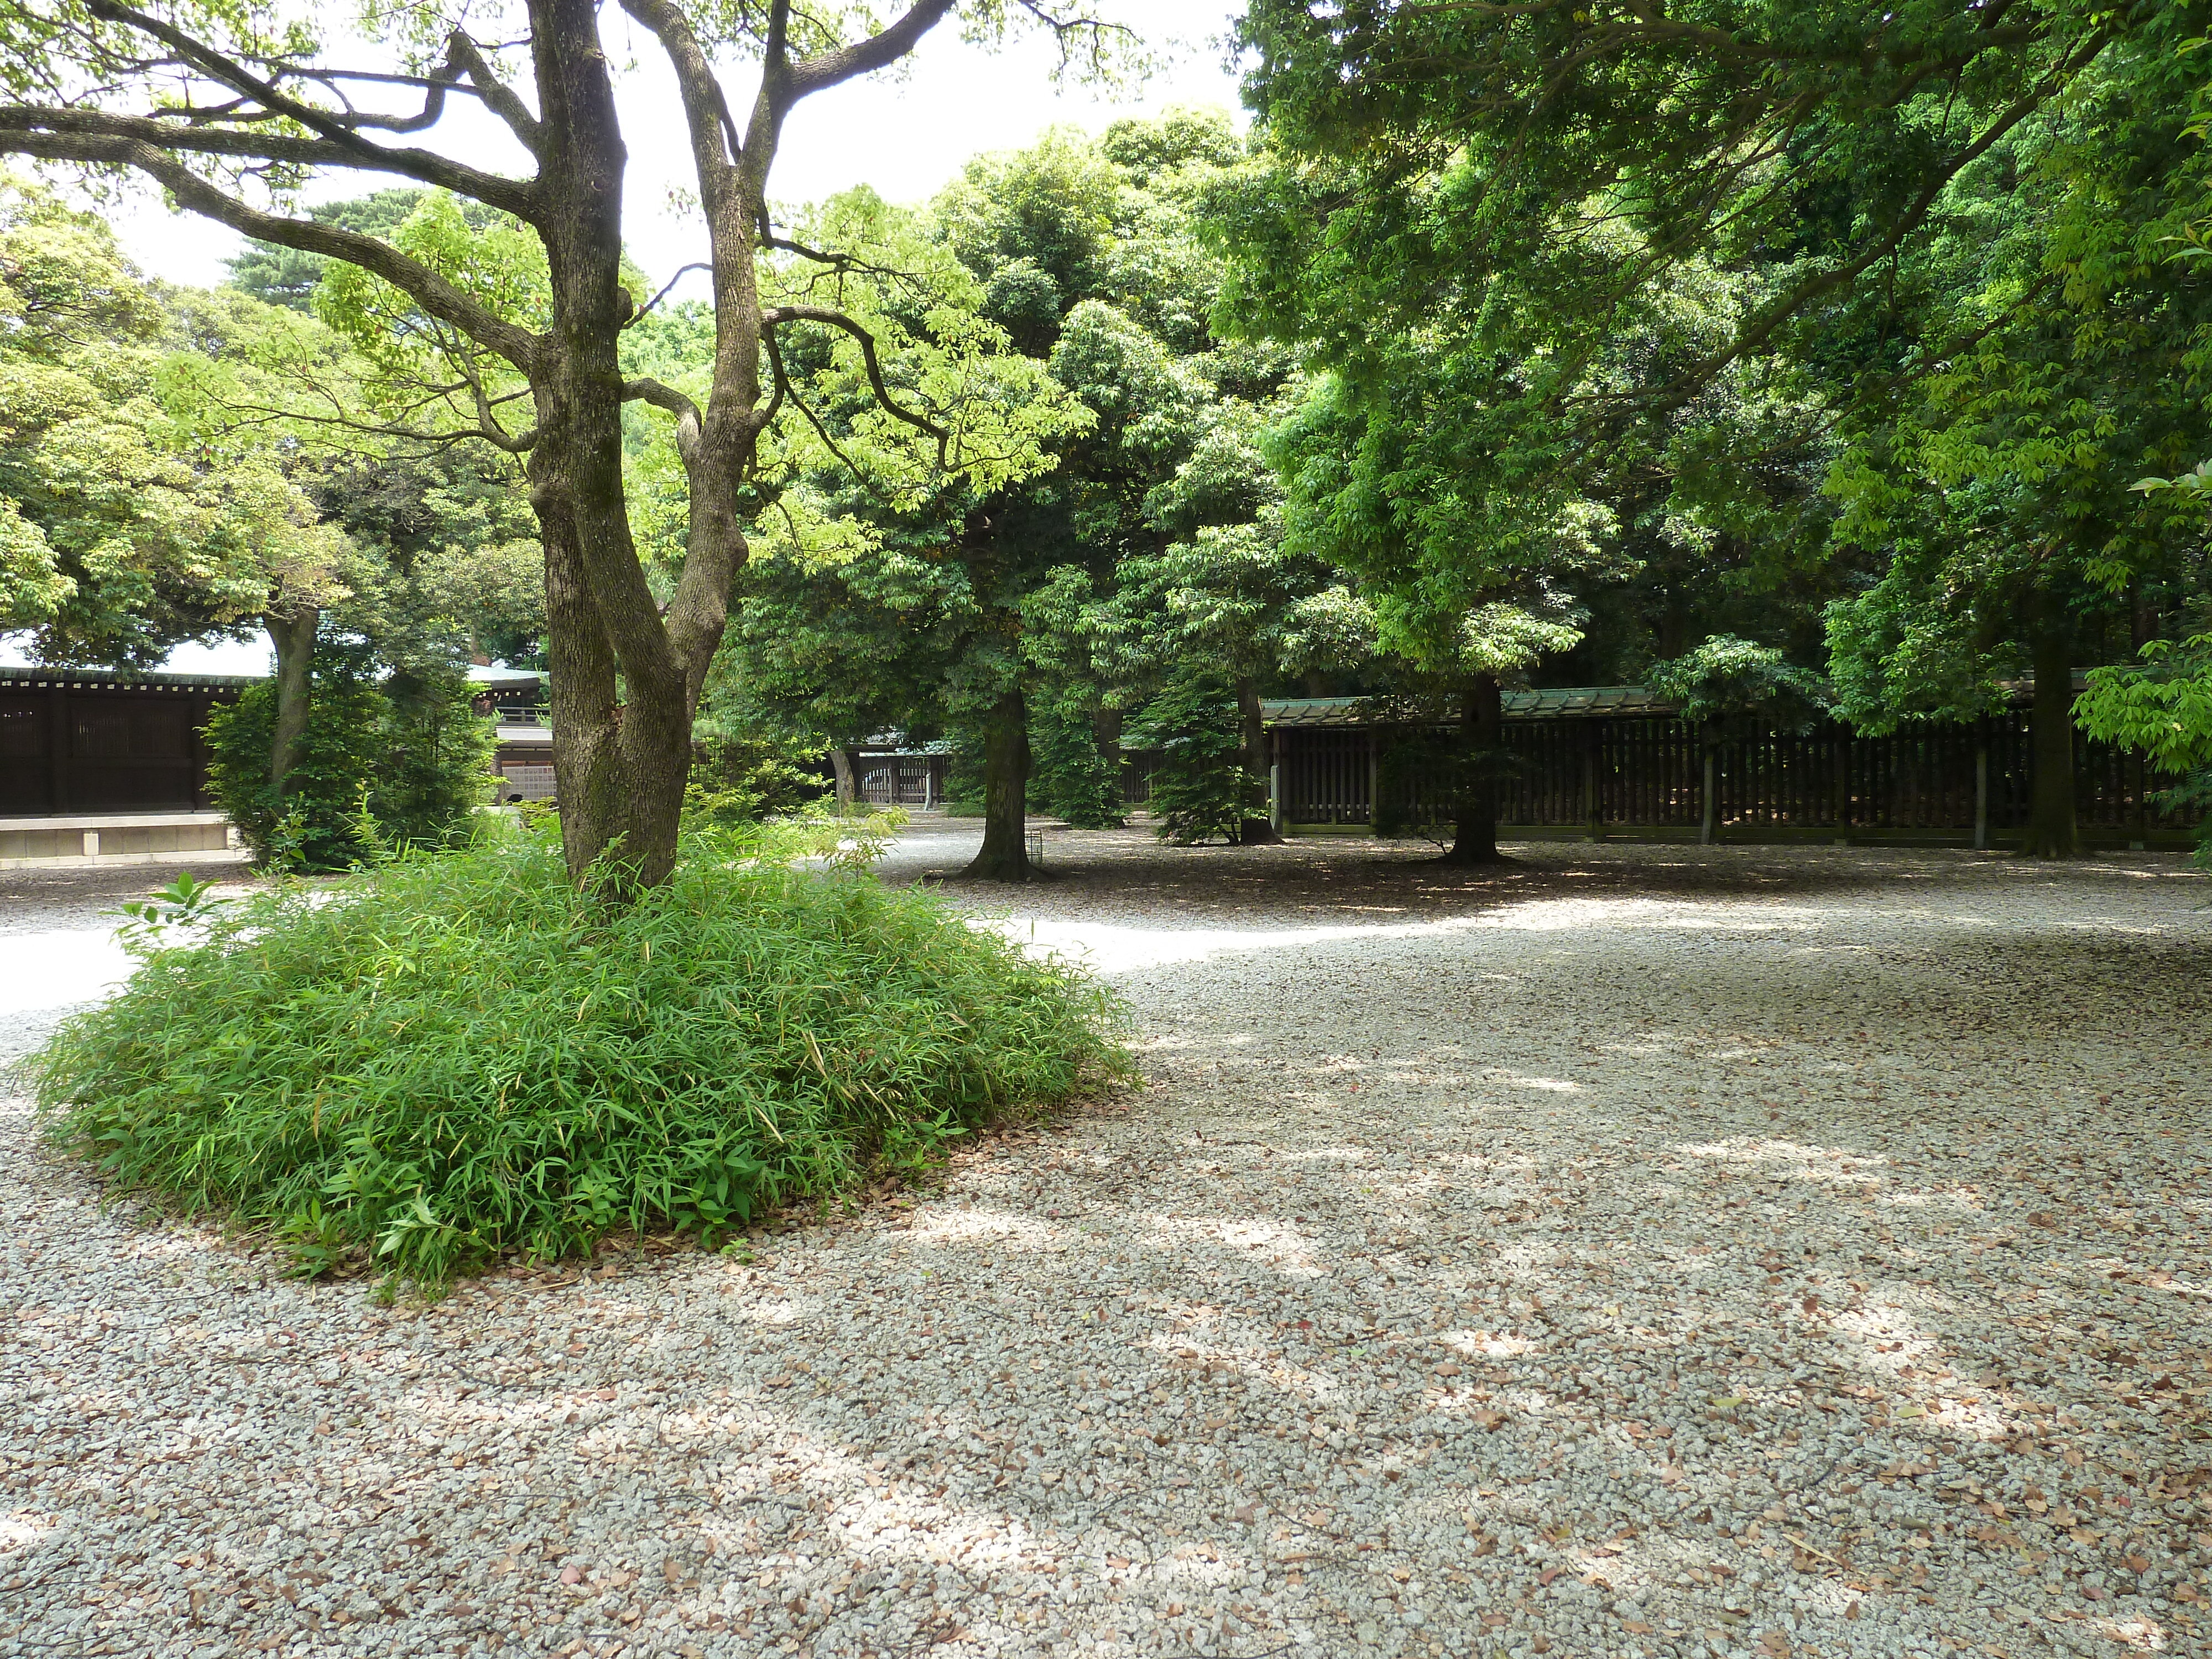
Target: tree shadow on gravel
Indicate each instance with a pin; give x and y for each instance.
(1313, 874)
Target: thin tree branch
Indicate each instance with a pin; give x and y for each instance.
(644, 389)
(497, 96)
(682, 272)
(437, 297)
(506, 194)
(773, 318)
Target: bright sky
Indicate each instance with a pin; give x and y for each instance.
(907, 133)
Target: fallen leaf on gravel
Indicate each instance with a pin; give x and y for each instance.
(1636, 1627)
(1728, 1401)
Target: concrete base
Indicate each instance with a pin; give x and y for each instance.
(56, 842)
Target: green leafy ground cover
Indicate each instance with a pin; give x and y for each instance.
(430, 1063)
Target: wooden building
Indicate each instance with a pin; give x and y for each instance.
(522, 753)
(1618, 762)
(108, 765)
(889, 771)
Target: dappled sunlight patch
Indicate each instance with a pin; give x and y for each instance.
(776, 1312)
(1472, 1342)
(943, 1225)
(1556, 1086)
(1787, 1159)
(1259, 1240)
(2136, 1635)
(175, 1241)
(20, 1529)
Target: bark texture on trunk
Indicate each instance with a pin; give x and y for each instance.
(2051, 831)
(841, 764)
(1482, 725)
(1106, 732)
(626, 678)
(1252, 756)
(1006, 854)
(293, 639)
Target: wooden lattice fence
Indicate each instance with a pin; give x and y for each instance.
(1651, 772)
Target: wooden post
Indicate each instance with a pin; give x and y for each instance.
(57, 749)
(1842, 785)
(1709, 829)
(1592, 813)
(1982, 786)
(1374, 779)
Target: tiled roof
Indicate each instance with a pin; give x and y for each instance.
(1519, 705)
(18, 677)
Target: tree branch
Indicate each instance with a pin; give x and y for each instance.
(682, 272)
(779, 315)
(506, 194)
(437, 297)
(644, 389)
(287, 148)
(496, 94)
(879, 51)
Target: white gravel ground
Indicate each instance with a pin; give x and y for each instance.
(1646, 1250)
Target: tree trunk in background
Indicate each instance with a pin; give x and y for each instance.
(1006, 854)
(841, 762)
(1252, 756)
(293, 638)
(2051, 824)
(1481, 724)
(1106, 732)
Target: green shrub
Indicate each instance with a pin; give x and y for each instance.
(1069, 777)
(415, 747)
(436, 762)
(1201, 790)
(309, 824)
(438, 1060)
(737, 781)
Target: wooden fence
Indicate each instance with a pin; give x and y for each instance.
(1649, 774)
(97, 740)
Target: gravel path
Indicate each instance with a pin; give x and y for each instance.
(1655, 1250)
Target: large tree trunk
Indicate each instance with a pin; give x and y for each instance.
(293, 638)
(1006, 854)
(840, 764)
(621, 763)
(1482, 723)
(1106, 732)
(1252, 756)
(2052, 832)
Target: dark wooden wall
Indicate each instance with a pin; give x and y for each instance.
(103, 749)
(1650, 772)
